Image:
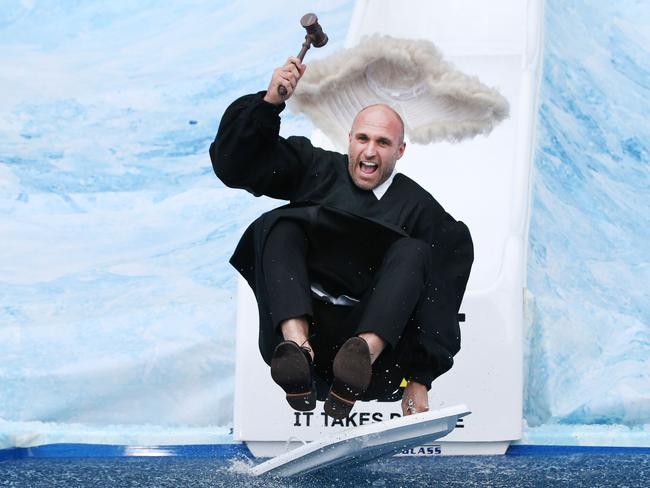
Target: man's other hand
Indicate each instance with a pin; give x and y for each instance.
(415, 398)
(286, 76)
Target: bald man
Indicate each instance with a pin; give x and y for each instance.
(360, 277)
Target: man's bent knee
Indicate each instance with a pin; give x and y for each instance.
(410, 252)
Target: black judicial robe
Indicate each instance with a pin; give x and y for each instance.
(248, 153)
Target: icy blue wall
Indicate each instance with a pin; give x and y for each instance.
(116, 302)
(116, 298)
(588, 351)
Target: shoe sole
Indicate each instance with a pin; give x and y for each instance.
(352, 372)
(291, 370)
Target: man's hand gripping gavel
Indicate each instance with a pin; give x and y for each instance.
(285, 78)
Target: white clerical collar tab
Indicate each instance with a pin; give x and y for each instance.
(381, 189)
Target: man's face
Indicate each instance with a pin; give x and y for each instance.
(376, 143)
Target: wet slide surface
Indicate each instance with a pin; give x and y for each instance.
(581, 469)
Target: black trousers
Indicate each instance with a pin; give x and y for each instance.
(386, 275)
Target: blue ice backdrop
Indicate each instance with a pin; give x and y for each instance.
(116, 297)
(117, 305)
(588, 351)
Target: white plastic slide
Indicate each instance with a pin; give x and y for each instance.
(359, 445)
(483, 181)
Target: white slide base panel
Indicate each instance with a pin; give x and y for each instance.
(358, 445)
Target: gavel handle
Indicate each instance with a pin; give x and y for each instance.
(282, 91)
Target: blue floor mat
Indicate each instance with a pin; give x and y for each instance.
(574, 469)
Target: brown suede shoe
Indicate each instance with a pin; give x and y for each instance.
(293, 370)
(352, 372)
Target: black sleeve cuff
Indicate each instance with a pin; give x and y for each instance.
(265, 116)
(265, 111)
(422, 376)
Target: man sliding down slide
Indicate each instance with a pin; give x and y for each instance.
(358, 279)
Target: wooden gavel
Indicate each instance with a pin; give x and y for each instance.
(315, 37)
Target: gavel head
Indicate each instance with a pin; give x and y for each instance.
(314, 30)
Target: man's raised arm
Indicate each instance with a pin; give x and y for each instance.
(248, 152)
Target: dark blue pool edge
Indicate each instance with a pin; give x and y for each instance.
(234, 450)
(114, 451)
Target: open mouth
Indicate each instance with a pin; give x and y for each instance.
(367, 167)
